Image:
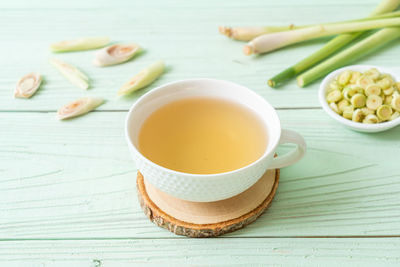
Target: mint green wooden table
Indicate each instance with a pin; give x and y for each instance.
(67, 189)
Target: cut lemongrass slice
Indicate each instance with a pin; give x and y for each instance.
(74, 75)
(364, 81)
(385, 83)
(384, 112)
(367, 111)
(358, 100)
(374, 102)
(388, 91)
(143, 78)
(348, 112)
(27, 85)
(372, 89)
(78, 107)
(395, 115)
(80, 44)
(355, 75)
(334, 96)
(342, 104)
(357, 115)
(344, 78)
(371, 118)
(395, 103)
(334, 107)
(373, 73)
(388, 100)
(116, 54)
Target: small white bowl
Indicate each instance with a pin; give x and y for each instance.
(357, 126)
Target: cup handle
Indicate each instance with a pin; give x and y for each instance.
(288, 136)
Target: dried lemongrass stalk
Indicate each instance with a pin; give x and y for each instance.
(28, 85)
(116, 54)
(78, 107)
(80, 44)
(143, 78)
(70, 72)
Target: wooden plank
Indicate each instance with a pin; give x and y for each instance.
(184, 35)
(220, 251)
(76, 179)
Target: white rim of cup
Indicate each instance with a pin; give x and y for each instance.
(334, 115)
(205, 176)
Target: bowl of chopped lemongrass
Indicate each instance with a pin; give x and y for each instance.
(364, 98)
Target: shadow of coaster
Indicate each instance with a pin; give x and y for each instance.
(207, 219)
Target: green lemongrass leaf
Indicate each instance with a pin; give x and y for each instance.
(28, 85)
(74, 75)
(116, 54)
(143, 78)
(79, 107)
(80, 44)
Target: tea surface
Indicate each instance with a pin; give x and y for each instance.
(203, 136)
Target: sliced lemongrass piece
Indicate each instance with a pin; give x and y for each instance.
(372, 73)
(388, 91)
(80, 44)
(334, 85)
(143, 78)
(371, 118)
(367, 111)
(364, 81)
(374, 102)
(396, 103)
(355, 75)
(115, 54)
(334, 107)
(396, 93)
(344, 78)
(384, 112)
(357, 115)
(78, 107)
(334, 96)
(348, 112)
(372, 89)
(348, 92)
(74, 75)
(388, 100)
(395, 115)
(342, 104)
(398, 86)
(358, 100)
(27, 85)
(385, 83)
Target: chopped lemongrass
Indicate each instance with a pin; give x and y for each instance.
(116, 54)
(367, 111)
(358, 100)
(388, 100)
(272, 41)
(143, 78)
(395, 115)
(372, 73)
(74, 75)
(334, 85)
(385, 83)
(384, 112)
(357, 115)
(355, 75)
(388, 91)
(374, 102)
(348, 112)
(395, 103)
(249, 33)
(330, 47)
(334, 107)
(348, 92)
(371, 118)
(372, 89)
(344, 78)
(354, 52)
(27, 85)
(78, 107)
(80, 44)
(334, 96)
(342, 104)
(364, 81)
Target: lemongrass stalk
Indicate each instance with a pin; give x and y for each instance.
(269, 42)
(329, 48)
(250, 32)
(352, 53)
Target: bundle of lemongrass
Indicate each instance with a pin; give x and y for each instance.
(107, 56)
(351, 33)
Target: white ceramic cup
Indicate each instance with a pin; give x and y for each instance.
(210, 187)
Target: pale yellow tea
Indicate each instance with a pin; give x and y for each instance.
(203, 136)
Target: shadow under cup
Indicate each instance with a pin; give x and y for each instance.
(202, 187)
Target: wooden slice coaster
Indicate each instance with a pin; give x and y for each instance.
(207, 219)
